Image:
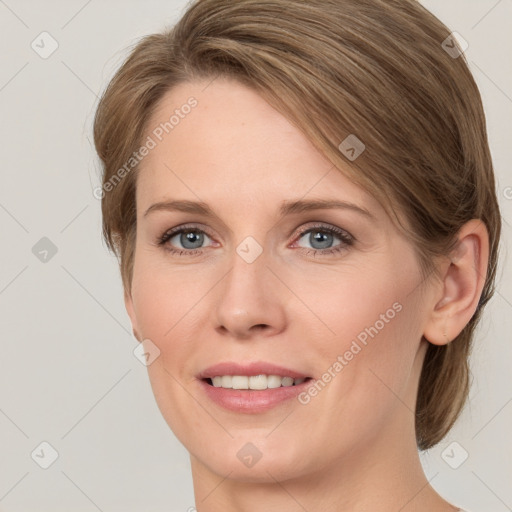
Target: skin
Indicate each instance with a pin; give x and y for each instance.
(352, 447)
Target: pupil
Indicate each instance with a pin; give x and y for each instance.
(324, 239)
(196, 239)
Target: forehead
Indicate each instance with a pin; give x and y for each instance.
(220, 139)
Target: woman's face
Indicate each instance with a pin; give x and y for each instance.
(263, 279)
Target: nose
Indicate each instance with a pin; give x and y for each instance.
(250, 300)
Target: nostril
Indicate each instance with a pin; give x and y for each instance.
(260, 327)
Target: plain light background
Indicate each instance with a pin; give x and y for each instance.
(68, 374)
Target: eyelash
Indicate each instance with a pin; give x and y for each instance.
(347, 240)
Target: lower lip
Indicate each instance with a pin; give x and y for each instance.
(252, 401)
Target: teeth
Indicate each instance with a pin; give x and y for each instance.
(240, 382)
(273, 381)
(256, 382)
(225, 381)
(287, 381)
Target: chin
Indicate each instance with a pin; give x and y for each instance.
(265, 470)
(254, 458)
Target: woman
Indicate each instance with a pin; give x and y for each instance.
(302, 199)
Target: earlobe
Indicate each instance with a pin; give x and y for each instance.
(128, 302)
(462, 284)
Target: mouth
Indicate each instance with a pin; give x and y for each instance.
(254, 382)
(253, 387)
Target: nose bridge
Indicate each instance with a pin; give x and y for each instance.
(248, 297)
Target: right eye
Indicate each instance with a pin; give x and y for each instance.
(183, 240)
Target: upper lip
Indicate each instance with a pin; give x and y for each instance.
(249, 369)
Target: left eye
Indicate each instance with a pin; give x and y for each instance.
(320, 238)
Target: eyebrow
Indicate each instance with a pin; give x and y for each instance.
(287, 207)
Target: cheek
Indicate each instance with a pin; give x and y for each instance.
(162, 297)
(367, 383)
(161, 305)
(164, 307)
(375, 327)
(366, 304)
(379, 379)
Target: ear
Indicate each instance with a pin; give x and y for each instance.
(128, 302)
(458, 294)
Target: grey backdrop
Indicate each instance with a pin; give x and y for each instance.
(69, 378)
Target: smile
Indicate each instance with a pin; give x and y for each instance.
(254, 382)
(253, 387)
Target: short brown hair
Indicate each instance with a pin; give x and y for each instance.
(374, 68)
